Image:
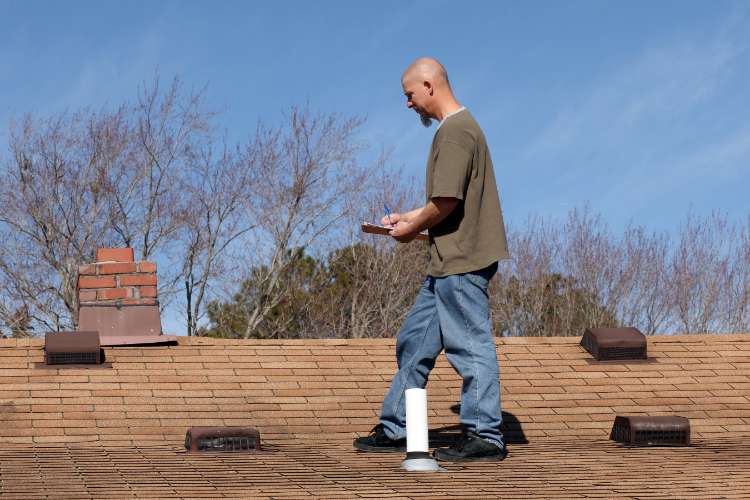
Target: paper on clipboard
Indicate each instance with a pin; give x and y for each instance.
(375, 229)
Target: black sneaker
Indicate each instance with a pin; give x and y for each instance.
(377, 441)
(471, 448)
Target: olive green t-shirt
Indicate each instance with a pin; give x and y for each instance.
(472, 236)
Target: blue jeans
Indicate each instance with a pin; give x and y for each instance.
(450, 313)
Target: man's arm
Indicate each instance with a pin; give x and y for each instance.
(410, 224)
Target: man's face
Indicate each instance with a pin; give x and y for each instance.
(417, 98)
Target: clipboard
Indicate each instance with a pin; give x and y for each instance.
(375, 229)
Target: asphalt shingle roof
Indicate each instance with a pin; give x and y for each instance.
(117, 431)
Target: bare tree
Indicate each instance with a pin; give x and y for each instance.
(566, 277)
(700, 273)
(646, 302)
(519, 292)
(78, 181)
(737, 292)
(215, 186)
(596, 263)
(309, 170)
(52, 208)
(373, 288)
(145, 202)
(373, 280)
(273, 224)
(354, 286)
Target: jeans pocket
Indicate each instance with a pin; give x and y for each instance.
(483, 276)
(476, 280)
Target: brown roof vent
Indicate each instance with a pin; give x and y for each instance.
(607, 344)
(79, 348)
(236, 439)
(651, 431)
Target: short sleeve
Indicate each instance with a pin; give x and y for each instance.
(451, 171)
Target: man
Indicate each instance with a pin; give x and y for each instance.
(451, 312)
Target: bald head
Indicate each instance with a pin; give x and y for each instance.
(428, 69)
(427, 90)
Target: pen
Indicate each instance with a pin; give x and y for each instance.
(388, 214)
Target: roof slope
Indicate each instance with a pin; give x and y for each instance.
(117, 431)
(329, 389)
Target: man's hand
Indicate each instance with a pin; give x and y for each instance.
(394, 219)
(404, 232)
(407, 226)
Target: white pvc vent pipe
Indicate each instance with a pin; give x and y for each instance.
(416, 421)
(417, 441)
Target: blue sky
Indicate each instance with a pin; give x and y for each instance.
(639, 109)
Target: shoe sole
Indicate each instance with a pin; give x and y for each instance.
(493, 458)
(376, 449)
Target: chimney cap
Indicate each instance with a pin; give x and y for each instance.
(115, 255)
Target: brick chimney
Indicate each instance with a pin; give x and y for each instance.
(115, 279)
(118, 298)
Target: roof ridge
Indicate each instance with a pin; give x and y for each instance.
(702, 338)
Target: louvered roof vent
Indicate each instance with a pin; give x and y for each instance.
(79, 348)
(607, 344)
(651, 431)
(232, 439)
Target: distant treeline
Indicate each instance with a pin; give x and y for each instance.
(260, 239)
